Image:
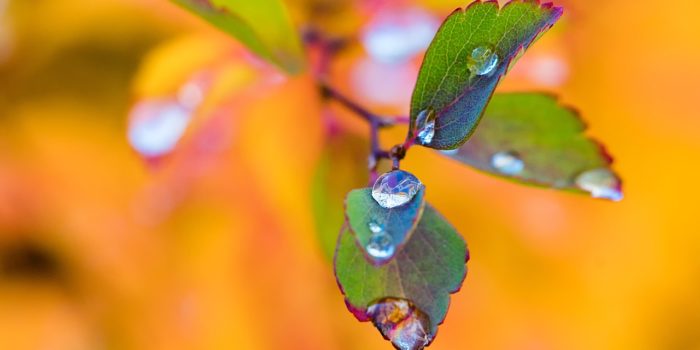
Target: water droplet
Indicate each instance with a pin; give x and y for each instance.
(395, 188)
(450, 152)
(425, 126)
(508, 163)
(482, 61)
(375, 227)
(401, 322)
(156, 126)
(380, 245)
(601, 183)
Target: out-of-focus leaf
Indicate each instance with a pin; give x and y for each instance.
(263, 26)
(363, 214)
(530, 138)
(340, 168)
(424, 273)
(449, 81)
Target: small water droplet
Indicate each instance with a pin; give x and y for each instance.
(482, 61)
(425, 126)
(375, 227)
(401, 322)
(395, 188)
(601, 183)
(156, 126)
(450, 152)
(508, 163)
(380, 245)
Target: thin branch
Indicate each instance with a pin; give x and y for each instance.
(382, 122)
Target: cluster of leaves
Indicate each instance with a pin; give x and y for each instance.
(406, 295)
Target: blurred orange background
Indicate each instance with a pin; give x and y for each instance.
(215, 246)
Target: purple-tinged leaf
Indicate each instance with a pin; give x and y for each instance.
(468, 56)
(408, 297)
(530, 138)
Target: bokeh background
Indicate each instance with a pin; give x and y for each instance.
(158, 184)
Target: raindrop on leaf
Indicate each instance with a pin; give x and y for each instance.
(380, 245)
(401, 322)
(482, 61)
(600, 183)
(450, 152)
(508, 163)
(375, 227)
(425, 126)
(395, 188)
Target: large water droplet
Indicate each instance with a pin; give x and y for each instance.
(380, 245)
(450, 152)
(401, 322)
(601, 183)
(156, 126)
(425, 126)
(508, 163)
(395, 188)
(482, 61)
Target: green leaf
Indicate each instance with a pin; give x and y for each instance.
(340, 167)
(446, 84)
(547, 138)
(429, 268)
(362, 212)
(264, 26)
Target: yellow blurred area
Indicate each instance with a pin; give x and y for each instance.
(214, 246)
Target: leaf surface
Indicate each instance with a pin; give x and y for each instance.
(546, 137)
(264, 26)
(445, 82)
(425, 272)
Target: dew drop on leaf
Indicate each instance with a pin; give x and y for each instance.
(375, 227)
(380, 245)
(600, 183)
(401, 322)
(425, 126)
(482, 61)
(450, 152)
(508, 163)
(395, 188)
